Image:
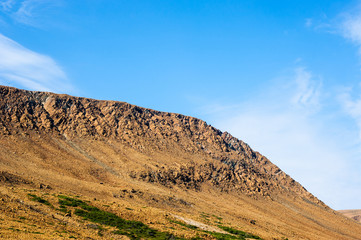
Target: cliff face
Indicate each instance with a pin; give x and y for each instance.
(131, 156)
(232, 164)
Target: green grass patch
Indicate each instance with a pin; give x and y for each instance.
(132, 229)
(222, 236)
(240, 234)
(205, 215)
(138, 230)
(63, 209)
(35, 198)
(218, 218)
(14, 229)
(184, 224)
(234, 233)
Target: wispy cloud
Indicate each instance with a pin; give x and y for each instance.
(308, 22)
(321, 23)
(307, 91)
(7, 5)
(21, 67)
(350, 28)
(279, 114)
(286, 122)
(29, 12)
(352, 106)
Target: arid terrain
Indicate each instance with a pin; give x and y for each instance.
(355, 214)
(87, 169)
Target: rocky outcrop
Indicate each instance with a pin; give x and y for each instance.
(357, 218)
(231, 164)
(6, 177)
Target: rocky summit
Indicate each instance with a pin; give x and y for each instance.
(80, 168)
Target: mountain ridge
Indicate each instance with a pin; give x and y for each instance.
(58, 111)
(130, 156)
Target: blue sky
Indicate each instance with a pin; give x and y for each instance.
(284, 76)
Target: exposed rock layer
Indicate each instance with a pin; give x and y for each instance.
(235, 167)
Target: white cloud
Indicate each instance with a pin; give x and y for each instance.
(22, 67)
(286, 123)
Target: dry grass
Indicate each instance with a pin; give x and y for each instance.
(64, 170)
(354, 214)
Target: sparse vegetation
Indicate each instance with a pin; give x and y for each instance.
(223, 236)
(184, 224)
(239, 233)
(218, 218)
(132, 229)
(35, 198)
(63, 209)
(14, 229)
(205, 216)
(234, 233)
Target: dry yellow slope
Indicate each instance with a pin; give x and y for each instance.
(354, 214)
(142, 165)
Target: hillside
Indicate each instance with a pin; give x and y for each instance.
(166, 170)
(354, 214)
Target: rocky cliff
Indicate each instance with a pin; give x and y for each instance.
(232, 164)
